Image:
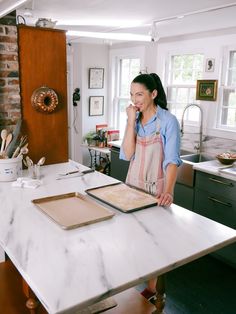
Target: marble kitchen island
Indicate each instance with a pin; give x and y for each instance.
(71, 269)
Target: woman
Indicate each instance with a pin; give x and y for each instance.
(151, 143)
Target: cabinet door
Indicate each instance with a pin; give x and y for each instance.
(42, 56)
(183, 196)
(215, 207)
(119, 168)
(216, 185)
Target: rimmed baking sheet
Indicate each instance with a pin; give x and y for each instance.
(123, 197)
(72, 210)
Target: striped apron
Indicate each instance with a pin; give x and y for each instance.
(145, 170)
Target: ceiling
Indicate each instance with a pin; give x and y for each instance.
(132, 16)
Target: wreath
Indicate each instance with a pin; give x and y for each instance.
(44, 99)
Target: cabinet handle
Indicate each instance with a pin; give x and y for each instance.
(218, 201)
(221, 182)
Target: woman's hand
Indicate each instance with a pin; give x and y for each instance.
(165, 199)
(131, 113)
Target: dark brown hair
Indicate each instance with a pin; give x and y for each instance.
(152, 81)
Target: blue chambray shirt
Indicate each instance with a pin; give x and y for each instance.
(168, 126)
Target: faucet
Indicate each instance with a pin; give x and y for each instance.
(199, 146)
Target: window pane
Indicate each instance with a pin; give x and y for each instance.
(123, 103)
(129, 68)
(186, 69)
(228, 117)
(229, 98)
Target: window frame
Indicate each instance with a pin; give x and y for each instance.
(116, 55)
(170, 85)
(224, 86)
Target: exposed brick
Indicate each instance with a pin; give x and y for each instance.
(3, 82)
(3, 98)
(13, 66)
(11, 30)
(3, 115)
(9, 74)
(7, 123)
(10, 89)
(8, 39)
(12, 82)
(14, 99)
(2, 66)
(11, 47)
(14, 115)
(9, 107)
(8, 57)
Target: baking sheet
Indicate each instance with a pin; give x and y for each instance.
(72, 210)
(123, 197)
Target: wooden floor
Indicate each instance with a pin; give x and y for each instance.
(205, 286)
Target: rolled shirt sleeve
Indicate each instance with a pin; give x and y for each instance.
(171, 142)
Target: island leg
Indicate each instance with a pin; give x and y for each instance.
(32, 303)
(160, 295)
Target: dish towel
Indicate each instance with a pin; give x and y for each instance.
(26, 183)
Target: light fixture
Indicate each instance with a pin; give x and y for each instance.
(212, 9)
(154, 33)
(113, 36)
(10, 6)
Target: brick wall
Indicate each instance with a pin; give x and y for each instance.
(10, 106)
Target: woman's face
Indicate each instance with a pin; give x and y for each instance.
(141, 97)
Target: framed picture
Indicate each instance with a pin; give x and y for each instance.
(96, 105)
(206, 90)
(210, 65)
(96, 77)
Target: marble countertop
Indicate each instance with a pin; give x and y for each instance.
(70, 269)
(216, 168)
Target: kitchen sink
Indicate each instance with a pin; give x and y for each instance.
(196, 158)
(185, 173)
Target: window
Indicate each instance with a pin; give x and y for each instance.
(128, 68)
(227, 117)
(184, 71)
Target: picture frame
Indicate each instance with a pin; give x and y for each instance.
(96, 78)
(96, 105)
(206, 90)
(210, 65)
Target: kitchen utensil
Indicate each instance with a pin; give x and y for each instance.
(23, 151)
(11, 147)
(73, 174)
(3, 137)
(21, 144)
(29, 162)
(41, 161)
(8, 141)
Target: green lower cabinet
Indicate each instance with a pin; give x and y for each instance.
(183, 196)
(218, 206)
(119, 167)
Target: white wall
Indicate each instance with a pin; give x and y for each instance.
(85, 56)
(211, 47)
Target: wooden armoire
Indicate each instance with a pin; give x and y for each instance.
(42, 62)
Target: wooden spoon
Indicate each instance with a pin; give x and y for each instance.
(3, 136)
(8, 141)
(41, 161)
